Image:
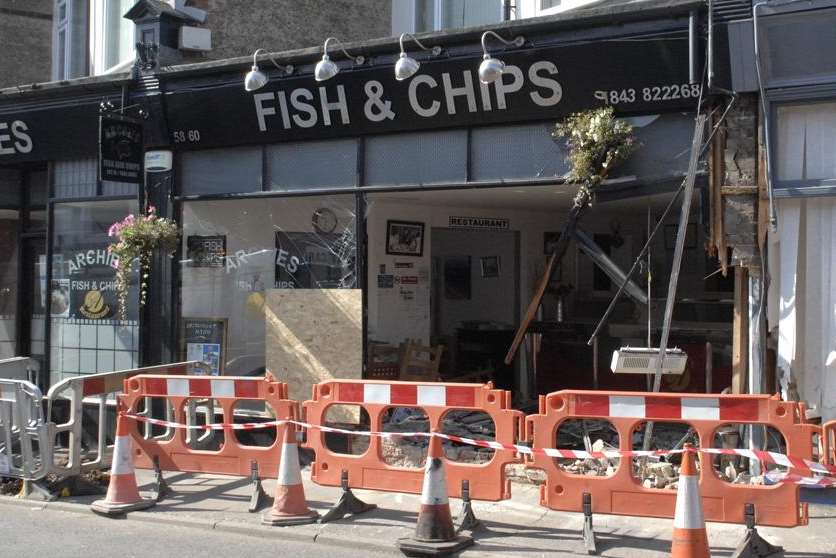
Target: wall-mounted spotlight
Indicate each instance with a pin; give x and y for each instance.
(491, 68)
(406, 66)
(325, 68)
(256, 79)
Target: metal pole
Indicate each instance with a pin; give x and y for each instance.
(699, 131)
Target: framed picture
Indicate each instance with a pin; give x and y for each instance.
(204, 340)
(690, 236)
(405, 238)
(490, 266)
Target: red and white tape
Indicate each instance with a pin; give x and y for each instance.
(762, 456)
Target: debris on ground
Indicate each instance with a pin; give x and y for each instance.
(10, 486)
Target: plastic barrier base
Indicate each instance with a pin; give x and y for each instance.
(753, 545)
(348, 504)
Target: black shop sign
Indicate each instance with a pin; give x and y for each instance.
(120, 149)
(635, 77)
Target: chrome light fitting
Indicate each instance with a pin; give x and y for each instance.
(406, 66)
(325, 68)
(491, 69)
(256, 79)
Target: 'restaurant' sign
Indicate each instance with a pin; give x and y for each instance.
(495, 223)
(120, 149)
(648, 76)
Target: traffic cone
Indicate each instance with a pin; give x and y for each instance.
(122, 493)
(289, 505)
(690, 539)
(435, 534)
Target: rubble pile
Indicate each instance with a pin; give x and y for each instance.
(411, 452)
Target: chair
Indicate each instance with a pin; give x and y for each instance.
(420, 363)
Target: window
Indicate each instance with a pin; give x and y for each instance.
(69, 51)
(788, 41)
(805, 161)
(112, 35)
(9, 241)
(435, 15)
(241, 256)
(87, 334)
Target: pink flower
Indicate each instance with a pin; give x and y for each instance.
(151, 209)
(114, 229)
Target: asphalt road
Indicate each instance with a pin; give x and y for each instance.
(43, 533)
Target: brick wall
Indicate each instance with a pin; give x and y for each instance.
(239, 28)
(25, 41)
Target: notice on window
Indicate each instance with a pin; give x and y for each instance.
(204, 340)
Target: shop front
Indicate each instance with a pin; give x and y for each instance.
(364, 226)
(368, 227)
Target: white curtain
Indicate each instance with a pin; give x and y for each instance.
(803, 300)
(806, 141)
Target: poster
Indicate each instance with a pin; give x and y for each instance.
(204, 340)
(92, 285)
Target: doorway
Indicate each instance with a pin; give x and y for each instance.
(474, 301)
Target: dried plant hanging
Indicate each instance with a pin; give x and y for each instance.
(596, 143)
(136, 239)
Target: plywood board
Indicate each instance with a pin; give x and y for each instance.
(313, 335)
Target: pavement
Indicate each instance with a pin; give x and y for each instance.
(516, 527)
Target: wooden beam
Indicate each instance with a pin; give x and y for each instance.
(740, 330)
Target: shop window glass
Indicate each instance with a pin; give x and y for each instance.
(788, 41)
(10, 188)
(313, 164)
(87, 334)
(416, 159)
(237, 255)
(8, 280)
(75, 179)
(805, 137)
(508, 152)
(79, 178)
(222, 171)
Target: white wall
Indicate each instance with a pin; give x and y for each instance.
(387, 323)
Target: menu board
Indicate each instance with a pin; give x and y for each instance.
(204, 340)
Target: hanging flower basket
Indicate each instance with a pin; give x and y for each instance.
(137, 239)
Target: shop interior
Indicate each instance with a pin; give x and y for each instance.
(450, 310)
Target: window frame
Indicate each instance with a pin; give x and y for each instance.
(790, 97)
(413, 6)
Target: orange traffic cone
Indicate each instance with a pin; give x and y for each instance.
(435, 534)
(690, 539)
(122, 492)
(289, 505)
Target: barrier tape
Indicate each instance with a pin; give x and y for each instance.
(762, 456)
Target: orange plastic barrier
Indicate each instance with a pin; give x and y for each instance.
(622, 494)
(176, 453)
(829, 442)
(369, 470)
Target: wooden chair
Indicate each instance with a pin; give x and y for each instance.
(420, 363)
